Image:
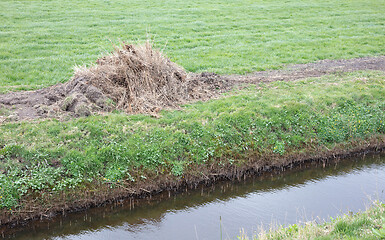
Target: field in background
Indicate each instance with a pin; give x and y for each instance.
(41, 41)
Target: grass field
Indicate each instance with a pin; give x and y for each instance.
(41, 40)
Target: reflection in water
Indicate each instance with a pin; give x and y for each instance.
(297, 195)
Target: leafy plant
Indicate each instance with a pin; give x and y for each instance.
(380, 232)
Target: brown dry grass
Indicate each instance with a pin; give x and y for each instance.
(139, 79)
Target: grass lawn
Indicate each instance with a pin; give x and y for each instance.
(41, 40)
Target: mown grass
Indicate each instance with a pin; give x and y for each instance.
(369, 224)
(268, 120)
(41, 41)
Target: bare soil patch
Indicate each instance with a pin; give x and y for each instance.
(139, 79)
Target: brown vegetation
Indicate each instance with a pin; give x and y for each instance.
(137, 79)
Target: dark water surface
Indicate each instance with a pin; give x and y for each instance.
(310, 192)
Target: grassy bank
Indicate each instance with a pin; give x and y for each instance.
(41, 41)
(260, 125)
(363, 225)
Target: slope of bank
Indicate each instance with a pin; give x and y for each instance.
(51, 166)
(369, 224)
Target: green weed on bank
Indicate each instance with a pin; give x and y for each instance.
(369, 224)
(41, 40)
(276, 119)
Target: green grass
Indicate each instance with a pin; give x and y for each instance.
(368, 225)
(274, 120)
(41, 40)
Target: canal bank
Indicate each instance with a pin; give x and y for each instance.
(51, 167)
(310, 192)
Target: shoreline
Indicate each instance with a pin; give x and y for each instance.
(366, 224)
(120, 194)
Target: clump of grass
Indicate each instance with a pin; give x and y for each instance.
(362, 225)
(379, 230)
(269, 121)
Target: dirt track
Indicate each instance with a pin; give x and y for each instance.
(50, 102)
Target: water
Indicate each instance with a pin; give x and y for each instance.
(305, 193)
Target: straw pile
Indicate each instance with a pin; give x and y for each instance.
(137, 79)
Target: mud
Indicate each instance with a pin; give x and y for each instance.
(317, 69)
(82, 97)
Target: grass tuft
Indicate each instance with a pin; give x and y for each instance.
(362, 225)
